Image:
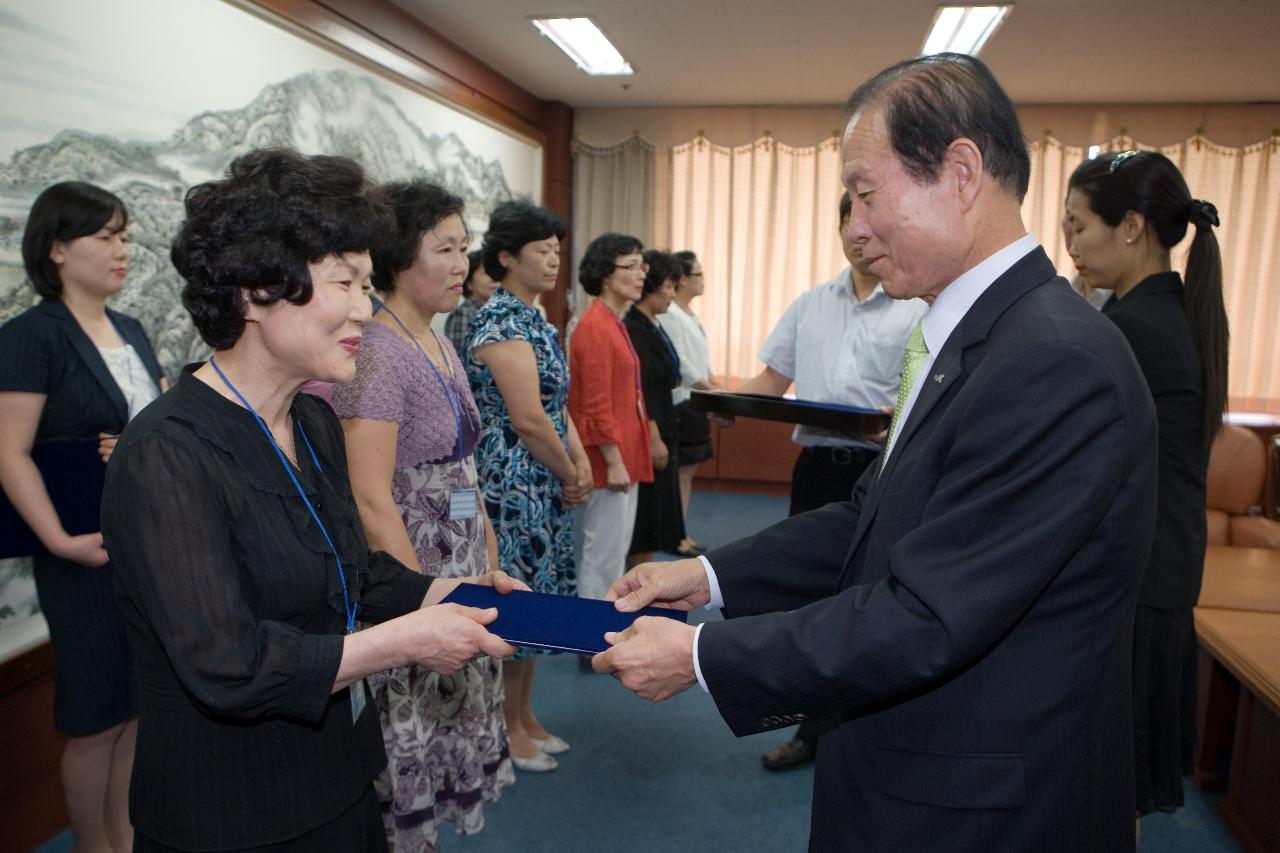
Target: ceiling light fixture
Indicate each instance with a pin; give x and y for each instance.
(963, 29)
(584, 43)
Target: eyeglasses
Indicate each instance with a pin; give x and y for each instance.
(634, 266)
(1120, 158)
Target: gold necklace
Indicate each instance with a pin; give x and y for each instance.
(289, 448)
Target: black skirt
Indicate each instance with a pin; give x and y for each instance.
(356, 830)
(659, 519)
(694, 431)
(1164, 706)
(93, 682)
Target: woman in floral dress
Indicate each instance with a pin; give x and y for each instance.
(411, 426)
(533, 468)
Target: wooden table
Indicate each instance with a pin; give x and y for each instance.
(1247, 643)
(1241, 579)
(1240, 706)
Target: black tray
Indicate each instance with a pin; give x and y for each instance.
(804, 412)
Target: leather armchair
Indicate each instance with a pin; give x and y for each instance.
(1233, 500)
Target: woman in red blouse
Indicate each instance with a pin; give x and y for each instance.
(606, 403)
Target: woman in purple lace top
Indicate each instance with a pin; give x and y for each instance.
(411, 426)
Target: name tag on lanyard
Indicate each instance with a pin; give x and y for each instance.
(462, 504)
(357, 700)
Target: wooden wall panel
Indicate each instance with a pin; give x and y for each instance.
(753, 456)
(557, 195)
(32, 809)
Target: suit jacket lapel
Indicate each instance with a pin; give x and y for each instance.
(1031, 271)
(90, 356)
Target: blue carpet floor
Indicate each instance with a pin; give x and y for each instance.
(671, 777)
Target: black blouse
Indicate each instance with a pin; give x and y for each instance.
(1153, 320)
(659, 372)
(234, 613)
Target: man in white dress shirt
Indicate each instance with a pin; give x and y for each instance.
(839, 342)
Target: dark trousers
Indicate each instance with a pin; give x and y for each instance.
(824, 475)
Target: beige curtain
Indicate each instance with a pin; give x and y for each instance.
(763, 220)
(613, 190)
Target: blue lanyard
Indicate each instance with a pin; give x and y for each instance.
(347, 606)
(453, 396)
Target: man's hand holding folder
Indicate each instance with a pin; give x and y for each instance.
(654, 657)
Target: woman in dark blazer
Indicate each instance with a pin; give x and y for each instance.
(71, 368)
(659, 516)
(1126, 211)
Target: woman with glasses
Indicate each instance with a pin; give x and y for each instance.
(532, 467)
(1126, 212)
(607, 403)
(692, 427)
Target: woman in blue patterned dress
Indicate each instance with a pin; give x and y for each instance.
(532, 466)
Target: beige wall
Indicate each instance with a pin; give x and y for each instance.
(1232, 125)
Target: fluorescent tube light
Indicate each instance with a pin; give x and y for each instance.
(582, 41)
(963, 29)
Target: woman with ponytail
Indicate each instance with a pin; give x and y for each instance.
(1126, 212)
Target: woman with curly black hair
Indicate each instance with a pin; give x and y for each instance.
(243, 569)
(659, 516)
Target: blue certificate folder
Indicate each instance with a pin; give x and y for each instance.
(558, 622)
(74, 476)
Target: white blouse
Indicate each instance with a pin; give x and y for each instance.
(131, 375)
(690, 342)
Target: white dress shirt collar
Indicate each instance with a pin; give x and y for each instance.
(957, 298)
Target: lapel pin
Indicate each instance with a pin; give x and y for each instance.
(938, 377)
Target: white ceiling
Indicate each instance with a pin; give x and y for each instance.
(704, 52)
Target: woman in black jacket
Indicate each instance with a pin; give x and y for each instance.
(243, 570)
(1126, 211)
(72, 371)
(659, 519)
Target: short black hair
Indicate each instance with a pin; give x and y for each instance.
(475, 261)
(417, 207)
(686, 259)
(931, 101)
(514, 225)
(597, 262)
(62, 212)
(257, 229)
(846, 206)
(662, 268)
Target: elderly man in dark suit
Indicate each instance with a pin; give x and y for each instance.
(968, 613)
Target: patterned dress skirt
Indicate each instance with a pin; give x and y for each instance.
(445, 735)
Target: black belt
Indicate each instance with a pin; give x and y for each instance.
(840, 455)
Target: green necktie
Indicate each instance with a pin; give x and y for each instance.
(912, 360)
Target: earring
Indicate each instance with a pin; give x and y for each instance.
(1129, 242)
